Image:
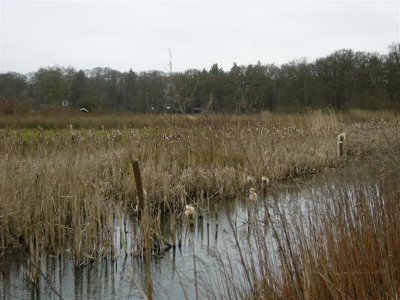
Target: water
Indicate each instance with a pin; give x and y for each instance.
(172, 272)
(204, 246)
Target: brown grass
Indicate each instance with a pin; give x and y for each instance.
(62, 186)
(340, 242)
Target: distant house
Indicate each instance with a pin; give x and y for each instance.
(7, 107)
(172, 110)
(197, 110)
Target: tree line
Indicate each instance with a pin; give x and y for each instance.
(344, 79)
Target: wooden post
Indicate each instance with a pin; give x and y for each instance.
(340, 143)
(340, 149)
(145, 226)
(139, 185)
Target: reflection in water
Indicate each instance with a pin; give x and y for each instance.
(205, 247)
(200, 242)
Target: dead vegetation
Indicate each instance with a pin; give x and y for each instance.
(64, 182)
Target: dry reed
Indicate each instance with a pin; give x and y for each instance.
(339, 242)
(62, 186)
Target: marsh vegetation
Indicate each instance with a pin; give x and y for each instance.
(67, 187)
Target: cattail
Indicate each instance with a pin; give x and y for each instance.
(165, 137)
(253, 195)
(189, 211)
(340, 142)
(249, 180)
(264, 184)
(264, 181)
(116, 134)
(341, 137)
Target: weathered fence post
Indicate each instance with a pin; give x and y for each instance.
(143, 213)
(139, 185)
(340, 143)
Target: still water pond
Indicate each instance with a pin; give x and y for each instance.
(204, 247)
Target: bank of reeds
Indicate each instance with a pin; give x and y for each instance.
(63, 181)
(340, 242)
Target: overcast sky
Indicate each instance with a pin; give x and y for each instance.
(136, 35)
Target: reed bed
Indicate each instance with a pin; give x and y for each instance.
(64, 181)
(340, 242)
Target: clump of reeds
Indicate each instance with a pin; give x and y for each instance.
(339, 242)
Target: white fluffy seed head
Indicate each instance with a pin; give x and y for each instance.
(264, 180)
(341, 137)
(189, 210)
(252, 195)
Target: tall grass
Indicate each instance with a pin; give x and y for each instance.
(341, 242)
(63, 181)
